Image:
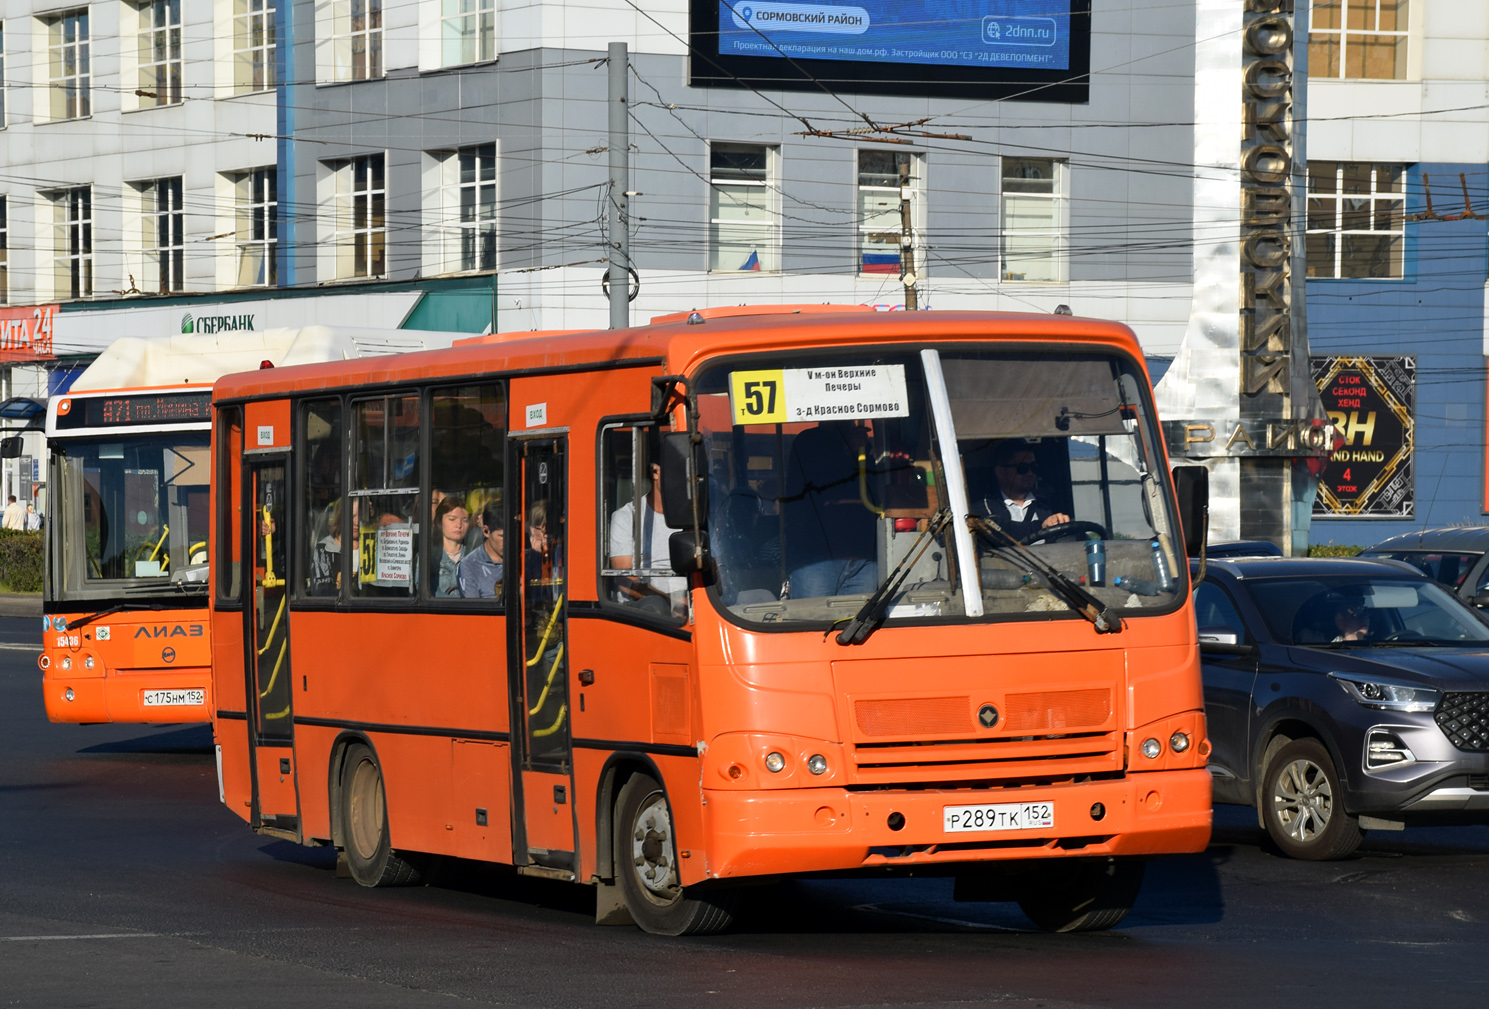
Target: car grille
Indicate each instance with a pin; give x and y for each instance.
(1464, 719)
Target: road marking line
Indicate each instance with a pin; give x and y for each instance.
(20, 648)
(104, 935)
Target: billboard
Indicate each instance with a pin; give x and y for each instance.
(1372, 403)
(1038, 50)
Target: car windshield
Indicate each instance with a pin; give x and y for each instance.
(1351, 611)
(829, 474)
(131, 515)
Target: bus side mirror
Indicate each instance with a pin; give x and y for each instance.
(10, 448)
(1192, 484)
(683, 476)
(684, 559)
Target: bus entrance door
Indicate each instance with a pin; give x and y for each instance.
(270, 684)
(539, 657)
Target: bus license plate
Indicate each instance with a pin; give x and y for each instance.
(174, 698)
(998, 816)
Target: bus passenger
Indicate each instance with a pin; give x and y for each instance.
(451, 520)
(664, 594)
(480, 572)
(325, 561)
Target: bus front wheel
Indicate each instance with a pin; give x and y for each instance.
(364, 821)
(1082, 896)
(646, 867)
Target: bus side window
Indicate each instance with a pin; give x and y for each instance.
(638, 578)
(229, 438)
(384, 498)
(466, 556)
(324, 504)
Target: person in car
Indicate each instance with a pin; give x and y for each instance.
(1350, 619)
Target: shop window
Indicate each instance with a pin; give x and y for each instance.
(741, 201)
(1360, 39)
(467, 545)
(1356, 223)
(325, 505)
(384, 497)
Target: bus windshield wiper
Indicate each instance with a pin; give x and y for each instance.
(1077, 598)
(73, 625)
(871, 613)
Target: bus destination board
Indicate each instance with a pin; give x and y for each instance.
(135, 410)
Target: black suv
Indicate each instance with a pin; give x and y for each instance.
(1342, 695)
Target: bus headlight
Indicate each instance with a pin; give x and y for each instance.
(66, 662)
(1178, 742)
(774, 762)
(817, 764)
(1152, 748)
(88, 662)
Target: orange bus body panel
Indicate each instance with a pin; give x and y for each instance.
(429, 690)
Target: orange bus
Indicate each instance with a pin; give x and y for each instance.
(740, 594)
(125, 624)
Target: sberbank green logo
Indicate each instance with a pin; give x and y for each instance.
(187, 325)
(216, 323)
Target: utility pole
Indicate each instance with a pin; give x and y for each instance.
(907, 240)
(619, 228)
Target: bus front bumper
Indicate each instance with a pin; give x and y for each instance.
(148, 696)
(765, 832)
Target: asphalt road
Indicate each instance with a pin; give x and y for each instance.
(124, 883)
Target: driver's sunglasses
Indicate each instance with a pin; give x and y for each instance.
(1019, 467)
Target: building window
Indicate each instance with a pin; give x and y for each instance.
(163, 230)
(1358, 39)
(471, 186)
(1033, 220)
(2, 77)
(1356, 223)
(160, 53)
(4, 251)
(742, 224)
(70, 69)
(361, 222)
(72, 243)
(886, 180)
(253, 45)
(357, 39)
(467, 31)
(257, 229)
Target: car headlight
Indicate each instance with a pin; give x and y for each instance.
(1386, 695)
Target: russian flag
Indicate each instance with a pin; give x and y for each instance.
(881, 262)
(753, 263)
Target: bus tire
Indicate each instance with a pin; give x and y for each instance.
(1088, 895)
(364, 817)
(646, 867)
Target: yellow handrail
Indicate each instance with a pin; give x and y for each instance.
(863, 485)
(270, 581)
(275, 675)
(543, 642)
(556, 723)
(269, 638)
(549, 684)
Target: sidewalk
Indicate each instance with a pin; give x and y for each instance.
(20, 604)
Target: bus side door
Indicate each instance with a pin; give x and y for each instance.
(544, 824)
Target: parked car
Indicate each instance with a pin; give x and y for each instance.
(1458, 557)
(1343, 695)
(1243, 548)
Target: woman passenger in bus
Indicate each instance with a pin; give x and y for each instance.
(451, 520)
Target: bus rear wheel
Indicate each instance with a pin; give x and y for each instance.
(1085, 896)
(364, 819)
(646, 868)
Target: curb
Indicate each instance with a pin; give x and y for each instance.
(20, 604)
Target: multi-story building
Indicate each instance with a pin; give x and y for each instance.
(443, 163)
(1398, 194)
